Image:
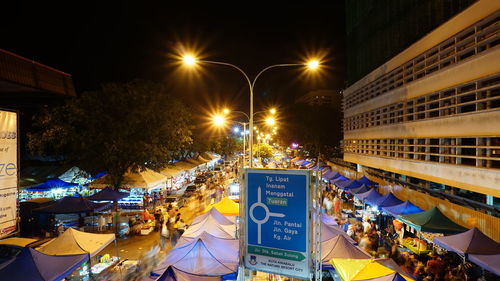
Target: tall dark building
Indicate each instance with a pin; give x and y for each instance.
(377, 30)
(423, 103)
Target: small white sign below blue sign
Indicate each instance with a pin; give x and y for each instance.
(277, 222)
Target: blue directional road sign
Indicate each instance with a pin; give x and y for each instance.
(277, 221)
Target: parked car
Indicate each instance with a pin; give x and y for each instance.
(200, 180)
(190, 189)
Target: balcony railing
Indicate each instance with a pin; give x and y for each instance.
(19, 70)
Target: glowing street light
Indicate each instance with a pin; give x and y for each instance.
(218, 120)
(313, 64)
(191, 61)
(270, 121)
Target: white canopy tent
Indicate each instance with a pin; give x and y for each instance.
(147, 179)
(73, 242)
(75, 175)
(211, 226)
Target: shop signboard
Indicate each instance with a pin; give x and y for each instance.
(277, 226)
(8, 172)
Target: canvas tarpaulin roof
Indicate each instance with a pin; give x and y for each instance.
(387, 200)
(404, 208)
(31, 265)
(71, 205)
(51, 184)
(216, 215)
(73, 242)
(363, 269)
(364, 180)
(361, 189)
(226, 207)
(331, 231)
(76, 175)
(203, 256)
(173, 274)
(347, 184)
(108, 194)
(488, 262)
(211, 226)
(331, 175)
(472, 241)
(147, 179)
(364, 195)
(338, 179)
(432, 221)
(340, 247)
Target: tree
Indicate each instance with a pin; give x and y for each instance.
(263, 150)
(225, 145)
(134, 126)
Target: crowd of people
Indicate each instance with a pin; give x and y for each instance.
(379, 238)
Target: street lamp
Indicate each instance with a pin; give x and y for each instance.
(191, 61)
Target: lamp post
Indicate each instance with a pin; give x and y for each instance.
(190, 60)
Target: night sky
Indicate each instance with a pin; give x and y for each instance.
(102, 42)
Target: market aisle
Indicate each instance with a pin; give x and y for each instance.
(133, 247)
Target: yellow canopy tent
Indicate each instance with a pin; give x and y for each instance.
(225, 206)
(364, 269)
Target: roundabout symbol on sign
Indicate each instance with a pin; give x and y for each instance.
(259, 222)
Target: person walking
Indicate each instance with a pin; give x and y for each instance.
(164, 235)
(336, 205)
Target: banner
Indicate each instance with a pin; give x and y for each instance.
(8, 172)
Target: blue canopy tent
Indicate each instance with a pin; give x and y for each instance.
(52, 184)
(348, 184)
(386, 201)
(372, 194)
(108, 194)
(331, 175)
(364, 180)
(305, 163)
(339, 178)
(360, 189)
(72, 205)
(372, 198)
(404, 208)
(32, 265)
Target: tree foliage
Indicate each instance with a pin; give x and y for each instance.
(134, 126)
(263, 150)
(224, 145)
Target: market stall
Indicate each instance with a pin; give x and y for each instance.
(340, 247)
(432, 221)
(73, 242)
(53, 188)
(216, 215)
(204, 256)
(404, 208)
(225, 206)
(368, 269)
(212, 227)
(32, 265)
(76, 175)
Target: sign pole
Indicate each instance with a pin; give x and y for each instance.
(318, 260)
